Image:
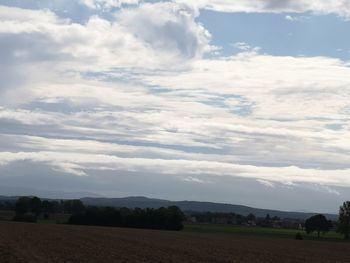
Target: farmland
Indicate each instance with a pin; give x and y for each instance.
(24, 242)
(258, 231)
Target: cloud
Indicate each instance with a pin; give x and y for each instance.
(296, 18)
(290, 18)
(134, 93)
(34, 40)
(266, 183)
(305, 87)
(169, 27)
(196, 180)
(186, 117)
(107, 4)
(338, 7)
(245, 47)
(78, 164)
(242, 46)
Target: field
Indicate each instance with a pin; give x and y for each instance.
(260, 231)
(6, 215)
(25, 242)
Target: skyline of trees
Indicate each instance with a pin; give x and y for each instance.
(30, 208)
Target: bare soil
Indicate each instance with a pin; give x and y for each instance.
(36, 243)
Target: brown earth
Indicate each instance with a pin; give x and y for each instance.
(36, 243)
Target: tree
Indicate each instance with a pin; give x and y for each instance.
(27, 209)
(344, 220)
(73, 206)
(162, 218)
(174, 218)
(276, 218)
(22, 205)
(49, 207)
(46, 207)
(35, 206)
(251, 217)
(317, 223)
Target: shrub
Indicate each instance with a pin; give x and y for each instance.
(298, 236)
(30, 218)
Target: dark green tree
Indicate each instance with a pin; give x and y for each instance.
(317, 223)
(251, 217)
(344, 220)
(35, 206)
(27, 209)
(73, 206)
(174, 218)
(49, 207)
(276, 218)
(22, 205)
(46, 206)
(162, 218)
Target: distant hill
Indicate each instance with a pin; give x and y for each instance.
(187, 206)
(8, 198)
(144, 202)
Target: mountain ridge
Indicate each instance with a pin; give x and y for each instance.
(197, 206)
(186, 206)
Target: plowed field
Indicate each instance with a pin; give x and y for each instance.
(36, 243)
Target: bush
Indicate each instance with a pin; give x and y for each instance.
(162, 218)
(30, 218)
(298, 236)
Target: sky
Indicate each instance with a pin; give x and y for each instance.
(244, 102)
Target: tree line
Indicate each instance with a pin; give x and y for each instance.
(28, 209)
(169, 218)
(315, 224)
(320, 224)
(233, 218)
(6, 205)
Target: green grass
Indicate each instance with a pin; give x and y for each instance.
(6, 215)
(50, 221)
(258, 231)
(54, 219)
